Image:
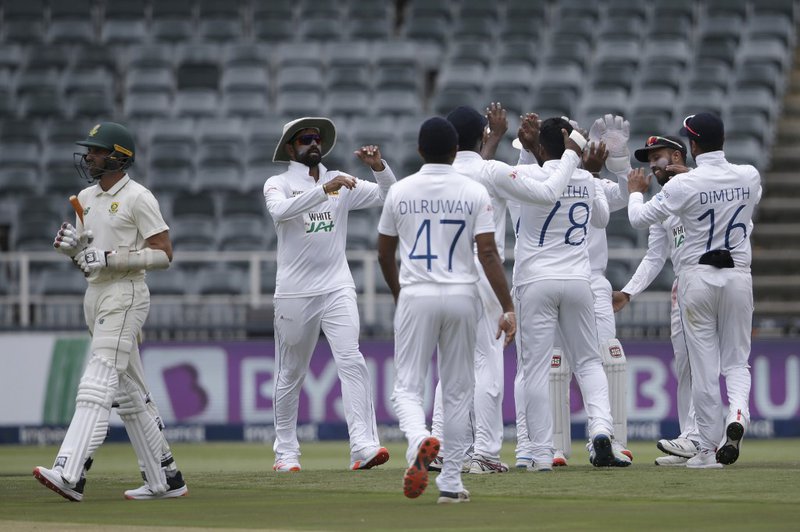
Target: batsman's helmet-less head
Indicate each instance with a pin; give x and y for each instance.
(117, 140)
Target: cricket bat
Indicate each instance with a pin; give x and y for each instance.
(76, 204)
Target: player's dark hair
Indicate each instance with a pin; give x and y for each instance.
(706, 147)
(550, 137)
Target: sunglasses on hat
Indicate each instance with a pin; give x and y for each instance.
(654, 139)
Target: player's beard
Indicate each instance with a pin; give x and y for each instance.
(311, 157)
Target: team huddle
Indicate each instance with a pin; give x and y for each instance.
(447, 224)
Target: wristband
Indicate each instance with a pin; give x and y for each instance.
(578, 139)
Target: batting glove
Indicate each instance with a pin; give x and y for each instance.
(91, 260)
(615, 132)
(69, 241)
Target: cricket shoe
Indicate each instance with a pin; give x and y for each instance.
(176, 487)
(452, 497)
(370, 459)
(671, 461)
(415, 479)
(436, 465)
(52, 479)
(683, 447)
(285, 465)
(729, 452)
(480, 465)
(541, 467)
(619, 449)
(559, 460)
(603, 454)
(704, 459)
(523, 462)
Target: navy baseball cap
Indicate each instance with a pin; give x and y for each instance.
(469, 125)
(656, 142)
(437, 136)
(705, 128)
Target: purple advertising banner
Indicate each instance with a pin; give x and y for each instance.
(231, 382)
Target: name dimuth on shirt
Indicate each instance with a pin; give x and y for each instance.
(724, 195)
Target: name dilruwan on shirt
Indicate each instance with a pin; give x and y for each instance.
(435, 207)
(724, 195)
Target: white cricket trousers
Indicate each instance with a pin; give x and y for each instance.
(568, 304)
(603, 311)
(431, 316)
(297, 325)
(489, 379)
(716, 308)
(683, 373)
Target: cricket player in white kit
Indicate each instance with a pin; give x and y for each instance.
(504, 183)
(667, 158)
(609, 136)
(309, 205)
(552, 288)
(122, 236)
(435, 216)
(715, 203)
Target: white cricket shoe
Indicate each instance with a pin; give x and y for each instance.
(559, 460)
(368, 460)
(704, 459)
(620, 449)
(436, 465)
(176, 487)
(452, 497)
(523, 462)
(285, 465)
(480, 465)
(671, 461)
(678, 447)
(52, 479)
(729, 452)
(541, 467)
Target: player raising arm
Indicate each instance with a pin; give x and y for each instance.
(434, 216)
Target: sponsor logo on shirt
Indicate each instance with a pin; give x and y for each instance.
(513, 174)
(679, 235)
(86, 211)
(318, 222)
(114, 207)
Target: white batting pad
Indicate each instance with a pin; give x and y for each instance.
(89, 424)
(615, 366)
(560, 375)
(144, 433)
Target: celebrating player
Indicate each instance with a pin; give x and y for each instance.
(667, 158)
(503, 183)
(122, 235)
(552, 288)
(309, 205)
(434, 216)
(715, 204)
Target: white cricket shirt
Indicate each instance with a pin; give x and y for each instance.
(127, 214)
(436, 214)
(552, 240)
(516, 183)
(715, 203)
(312, 227)
(666, 239)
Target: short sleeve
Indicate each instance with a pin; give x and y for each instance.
(484, 222)
(148, 217)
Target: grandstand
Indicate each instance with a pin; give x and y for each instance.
(207, 84)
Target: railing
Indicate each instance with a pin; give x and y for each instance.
(193, 315)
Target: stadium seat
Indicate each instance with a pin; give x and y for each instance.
(321, 28)
(397, 102)
(299, 77)
(220, 279)
(12, 56)
(299, 102)
(613, 76)
(220, 20)
(348, 101)
(720, 28)
(771, 27)
(96, 105)
(481, 29)
(428, 29)
(242, 234)
(147, 105)
(245, 78)
(171, 166)
(652, 101)
(171, 282)
(45, 103)
(246, 55)
(764, 50)
(745, 151)
(680, 8)
(245, 104)
(763, 75)
(625, 9)
(754, 100)
(124, 24)
(23, 21)
(618, 51)
(71, 23)
(193, 234)
(503, 77)
(150, 79)
(362, 232)
(728, 8)
(196, 103)
(710, 73)
(566, 50)
(19, 179)
(601, 101)
(173, 21)
(469, 77)
(667, 51)
(518, 28)
(568, 78)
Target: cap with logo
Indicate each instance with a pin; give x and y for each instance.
(705, 128)
(113, 137)
(656, 142)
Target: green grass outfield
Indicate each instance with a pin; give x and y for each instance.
(232, 485)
